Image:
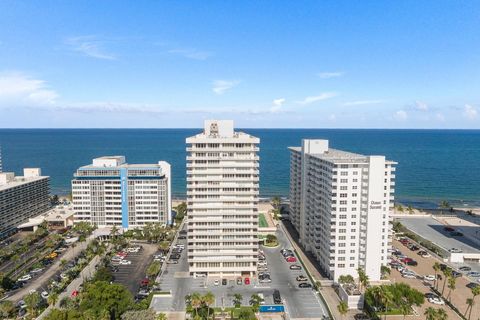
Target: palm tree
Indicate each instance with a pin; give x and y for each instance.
(255, 302)
(447, 273)
(399, 207)
(405, 309)
(377, 295)
(410, 209)
(386, 298)
(470, 302)
(208, 299)
(362, 278)
(342, 308)
(6, 309)
(475, 292)
(237, 300)
(52, 299)
(161, 316)
(451, 285)
(444, 205)
(276, 201)
(430, 313)
(441, 314)
(436, 267)
(195, 301)
(32, 301)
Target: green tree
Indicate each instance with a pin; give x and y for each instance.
(255, 301)
(430, 313)
(153, 269)
(147, 314)
(344, 279)
(103, 274)
(470, 302)
(52, 298)
(6, 283)
(436, 268)
(32, 300)
(161, 316)
(102, 297)
(386, 297)
(441, 314)
(6, 309)
(237, 300)
(444, 205)
(405, 309)
(452, 286)
(181, 211)
(246, 314)
(399, 207)
(195, 302)
(363, 279)
(208, 299)
(342, 308)
(475, 292)
(276, 202)
(385, 271)
(447, 273)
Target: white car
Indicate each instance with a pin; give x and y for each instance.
(455, 250)
(409, 275)
(125, 262)
(436, 300)
(429, 277)
(25, 278)
(44, 294)
(216, 282)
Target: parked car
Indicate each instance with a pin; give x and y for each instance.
(304, 285)
(455, 250)
(44, 295)
(224, 282)
(456, 234)
(465, 269)
(448, 229)
(302, 278)
(409, 275)
(473, 274)
(472, 285)
(277, 298)
(429, 277)
(436, 300)
(291, 259)
(125, 262)
(216, 282)
(246, 281)
(456, 274)
(424, 254)
(295, 267)
(239, 281)
(25, 278)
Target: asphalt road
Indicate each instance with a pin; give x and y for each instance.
(299, 302)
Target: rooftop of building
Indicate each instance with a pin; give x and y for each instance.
(221, 129)
(8, 180)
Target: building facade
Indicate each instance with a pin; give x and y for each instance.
(222, 201)
(22, 198)
(340, 206)
(112, 192)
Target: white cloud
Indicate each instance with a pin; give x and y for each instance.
(279, 102)
(328, 75)
(422, 106)
(20, 89)
(400, 115)
(90, 46)
(363, 102)
(191, 53)
(332, 117)
(440, 117)
(221, 86)
(470, 112)
(312, 99)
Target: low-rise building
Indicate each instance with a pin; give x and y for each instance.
(112, 192)
(21, 198)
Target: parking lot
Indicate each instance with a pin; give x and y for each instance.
(130, 275)
(299, 302)
(431, 229)
(425, 268)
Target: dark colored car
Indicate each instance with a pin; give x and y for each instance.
(456, 274)
(277, 299)
(472, 285)
(224, 282)
(304, 285)
(412, 263)
(449, 229)
(456, 234)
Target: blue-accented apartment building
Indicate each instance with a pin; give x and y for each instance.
(112, 192)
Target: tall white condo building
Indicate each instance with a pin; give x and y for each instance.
(112, 192)
(222, 201)
(340, 206)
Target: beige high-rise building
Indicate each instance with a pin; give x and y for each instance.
(222, 200)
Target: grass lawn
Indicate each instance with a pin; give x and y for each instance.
(262, 221)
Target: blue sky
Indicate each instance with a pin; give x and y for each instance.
(311, 64)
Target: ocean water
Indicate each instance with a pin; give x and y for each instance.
(433, 165)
